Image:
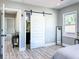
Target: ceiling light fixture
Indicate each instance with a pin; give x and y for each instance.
(61, 0)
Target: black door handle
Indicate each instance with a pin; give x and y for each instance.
(3, 35)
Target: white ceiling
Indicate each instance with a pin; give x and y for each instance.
(48, 3)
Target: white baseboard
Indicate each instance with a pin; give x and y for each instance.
(53, 43)
(66, 44)
(63, 44)
(22, 49)
(49, 44)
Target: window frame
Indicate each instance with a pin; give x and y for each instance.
(68, 34)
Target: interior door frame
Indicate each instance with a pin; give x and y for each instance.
(22, 19)
(3, 30)
(3, 24)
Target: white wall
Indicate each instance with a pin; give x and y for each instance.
(17, 22)
(50, 21)
(50, 25)
(22, 33)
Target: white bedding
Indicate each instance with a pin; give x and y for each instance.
(71, 52)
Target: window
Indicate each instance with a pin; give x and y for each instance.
(70, 22)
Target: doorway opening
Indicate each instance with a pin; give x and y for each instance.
(28, 31)
(12, 26)
(10, 23)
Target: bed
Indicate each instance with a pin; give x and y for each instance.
(71, 52)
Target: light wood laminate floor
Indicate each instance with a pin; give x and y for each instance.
(38, 53)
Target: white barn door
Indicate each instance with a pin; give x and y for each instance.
(50, 25)
(37, 30)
